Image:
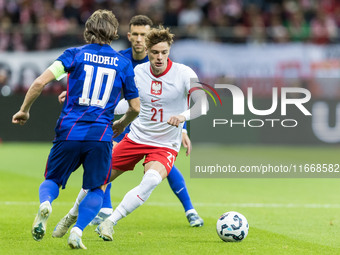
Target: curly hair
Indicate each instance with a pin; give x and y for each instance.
(157, 35)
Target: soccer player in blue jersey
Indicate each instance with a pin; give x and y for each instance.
(138, 28)
(85, 128)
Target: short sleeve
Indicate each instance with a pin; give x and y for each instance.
(129, 87)
(67, 58)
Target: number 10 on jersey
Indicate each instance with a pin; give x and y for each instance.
(98, 83)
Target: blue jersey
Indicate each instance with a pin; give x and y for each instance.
(96, 75)
(128, 54)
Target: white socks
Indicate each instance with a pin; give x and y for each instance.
(81, 195)
(137, 196)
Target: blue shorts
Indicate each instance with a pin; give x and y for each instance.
(66, 157)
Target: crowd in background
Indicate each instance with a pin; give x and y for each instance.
(27, 25)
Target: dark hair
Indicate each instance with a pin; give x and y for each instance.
(101, 27)
(140, 20)
(157, 35)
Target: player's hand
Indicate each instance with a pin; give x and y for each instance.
(20, 118)
(186, 143)
(61, 97)
(117, 128)
(176, 120)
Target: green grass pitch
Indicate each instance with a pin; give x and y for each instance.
(286, 216)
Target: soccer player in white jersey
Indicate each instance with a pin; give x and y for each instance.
(138, 28)
(156, 134)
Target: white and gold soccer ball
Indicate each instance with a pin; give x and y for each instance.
(232, 227)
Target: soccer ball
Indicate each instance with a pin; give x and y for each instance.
(232, 227)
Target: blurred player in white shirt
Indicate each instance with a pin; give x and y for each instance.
(156, 134)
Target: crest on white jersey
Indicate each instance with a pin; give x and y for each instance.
(156, 87)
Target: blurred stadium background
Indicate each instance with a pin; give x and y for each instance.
(250, 43)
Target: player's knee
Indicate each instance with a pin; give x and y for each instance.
(151, 180)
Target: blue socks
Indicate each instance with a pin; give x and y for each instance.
(177, 184)
(89, 207)
(107, 197)
(48, 191)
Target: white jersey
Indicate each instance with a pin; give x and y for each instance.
(161, 97)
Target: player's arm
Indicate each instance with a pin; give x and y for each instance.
(132, 112)
(185, 139)
(32, 94)
(61, 97)
(199, 107)
(200, 103)
(54, 72)
(186, 142)
(131, 95)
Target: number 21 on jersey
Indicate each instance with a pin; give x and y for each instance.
(97, 87)
(157, 115)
